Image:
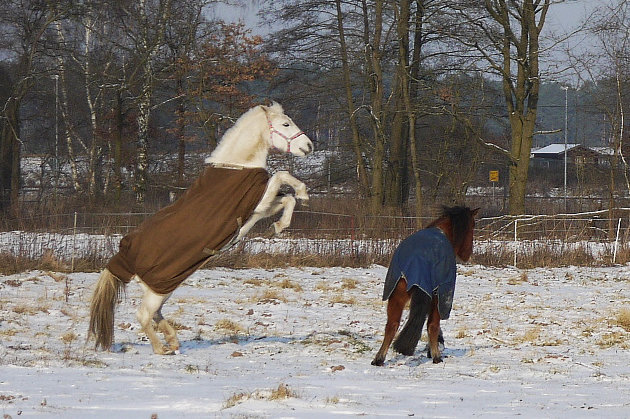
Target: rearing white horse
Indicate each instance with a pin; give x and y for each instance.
(169, 246)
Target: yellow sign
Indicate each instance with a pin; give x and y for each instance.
(494, 175)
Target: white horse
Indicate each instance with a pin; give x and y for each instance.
(245, 145)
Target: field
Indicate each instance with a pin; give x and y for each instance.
(297, 342)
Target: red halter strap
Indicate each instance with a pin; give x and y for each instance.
(272, 130)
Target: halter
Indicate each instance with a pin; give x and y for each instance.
(272, 130)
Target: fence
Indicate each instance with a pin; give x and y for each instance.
(95, 236)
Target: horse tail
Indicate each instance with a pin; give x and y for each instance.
(409, 336)
(104, 299)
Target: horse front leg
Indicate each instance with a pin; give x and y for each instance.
(287, 204)
(395, 306)
(434, 331)
(285, 178)
(271, 203)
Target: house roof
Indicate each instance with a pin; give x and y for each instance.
(554, 149)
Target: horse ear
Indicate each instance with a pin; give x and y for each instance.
(273, 107)
(475, 211)
(268, 103)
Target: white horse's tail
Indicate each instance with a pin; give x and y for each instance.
(102, 307)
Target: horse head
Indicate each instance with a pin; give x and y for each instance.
(284, 135)
(260, 129)
(458, 223)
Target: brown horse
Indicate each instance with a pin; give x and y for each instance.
(423, 270)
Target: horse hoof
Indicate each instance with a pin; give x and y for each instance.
(437, 359)
(378, 362)
(164, 351)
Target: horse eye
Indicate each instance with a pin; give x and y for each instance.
(286, 124)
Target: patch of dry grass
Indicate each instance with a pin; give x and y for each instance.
(341, 298)
(30, 310)
(288, 284)
(517, 280)
(623, 319)
(229, 326)
(235, 399)
(323, 286)
(349, 283)
(531, 336)
(8, 332)
(549, 255)
(69, 337)
(269, 296)
(609, 340)
(461, 333)
(282, 392)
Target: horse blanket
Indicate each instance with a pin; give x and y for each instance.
(426, 260)
(173, 243)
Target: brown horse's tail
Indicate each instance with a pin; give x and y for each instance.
(102, 307)
(409, 336)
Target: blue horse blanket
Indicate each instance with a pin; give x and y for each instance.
(426, 260)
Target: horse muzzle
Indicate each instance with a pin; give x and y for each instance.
(304, 146)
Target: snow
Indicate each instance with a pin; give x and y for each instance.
(537, 343)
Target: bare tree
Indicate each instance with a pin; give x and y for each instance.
(507, 35)
(372, 52)
(24, 25)
(605, 71)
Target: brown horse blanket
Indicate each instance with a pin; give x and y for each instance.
(173, 243)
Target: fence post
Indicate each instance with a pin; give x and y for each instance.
(616, 241)
(515, 240)
(74, 241)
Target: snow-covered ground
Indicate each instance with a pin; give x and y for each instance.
(298, 342)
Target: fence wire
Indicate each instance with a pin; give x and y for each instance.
(95, 236)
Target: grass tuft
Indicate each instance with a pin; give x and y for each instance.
(623, 318)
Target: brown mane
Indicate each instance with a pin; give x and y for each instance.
(458, 224)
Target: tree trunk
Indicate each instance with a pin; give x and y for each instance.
(350, 107)
(521, 95)
(375, 83)
(413, 98)
(180, 133)
(142, 142)
(149, 45)
(95, 152)
(117, 146)
(397, 190)
(74, 171)
(10, 155)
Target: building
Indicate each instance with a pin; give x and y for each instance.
(552, 156)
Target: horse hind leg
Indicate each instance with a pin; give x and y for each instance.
(435, 332)
(409, 336)
(395, 306)
(150, 306)
(170, 334)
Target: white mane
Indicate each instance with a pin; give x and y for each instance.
(246, 143)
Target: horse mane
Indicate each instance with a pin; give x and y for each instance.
(241, 123)
(460, 220)
(243, 130)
